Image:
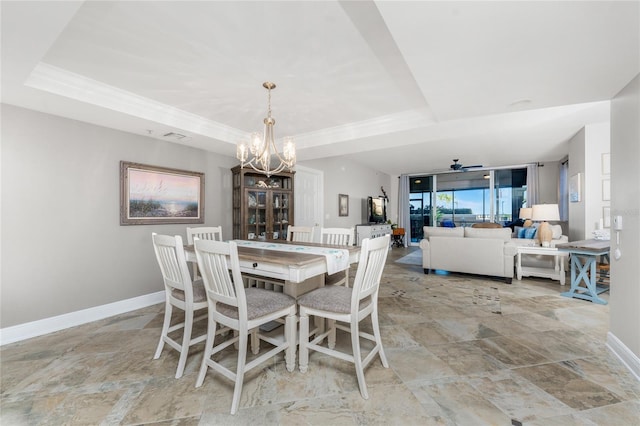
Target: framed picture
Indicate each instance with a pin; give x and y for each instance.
(606, 215)
(151, 195)
(574, 188)
(343, 205)
(606, 189)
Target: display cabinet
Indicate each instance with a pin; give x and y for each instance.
(262, 206)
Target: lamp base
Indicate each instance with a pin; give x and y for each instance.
(545, 234)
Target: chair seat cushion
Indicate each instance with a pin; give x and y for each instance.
(260, 302)
(199, 293)
(331, 299)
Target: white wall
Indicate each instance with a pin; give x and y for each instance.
(585, 157)
(342, 176)
(625, 201)
(63, 248)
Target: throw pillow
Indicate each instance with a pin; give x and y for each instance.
(521, 232)
(530, 233)
(557, 231)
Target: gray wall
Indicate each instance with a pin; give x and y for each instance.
(625, 201)
(63, 248)
(585, 157)
(342, 176)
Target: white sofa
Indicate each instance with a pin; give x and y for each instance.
(469, 250)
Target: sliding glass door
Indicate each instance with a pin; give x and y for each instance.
(465, 198)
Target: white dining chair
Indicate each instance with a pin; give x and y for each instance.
(180, 292)
(339, 237)
(303, 234)
(242, 310)
(204, 233)
(348, 305)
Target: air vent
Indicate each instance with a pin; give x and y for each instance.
(173, 135)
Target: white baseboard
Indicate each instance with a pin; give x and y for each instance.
(72, 319)
(624, 354)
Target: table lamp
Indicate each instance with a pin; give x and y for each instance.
(525, 214)
(544, 213)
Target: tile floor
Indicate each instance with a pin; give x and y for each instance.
(542, 361)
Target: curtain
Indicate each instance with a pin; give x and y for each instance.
(532, 184)
(404, 218)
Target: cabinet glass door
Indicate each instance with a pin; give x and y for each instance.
(256, 214)
(281, 217)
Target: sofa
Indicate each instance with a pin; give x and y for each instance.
(481, 251)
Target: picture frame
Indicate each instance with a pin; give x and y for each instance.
(343, 205)
(606, 189)
(574, 188)
(606, 217)
(154, 195)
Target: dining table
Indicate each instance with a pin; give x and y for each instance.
(300, 266)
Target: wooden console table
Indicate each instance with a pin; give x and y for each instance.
(584, 256)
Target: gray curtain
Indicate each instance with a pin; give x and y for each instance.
(532, 184)
(404, 218)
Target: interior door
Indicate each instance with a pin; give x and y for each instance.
(308, 197)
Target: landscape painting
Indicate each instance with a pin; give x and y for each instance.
(160, 195)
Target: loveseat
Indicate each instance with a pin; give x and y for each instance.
(469, 250)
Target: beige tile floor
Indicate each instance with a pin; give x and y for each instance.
(542, 361)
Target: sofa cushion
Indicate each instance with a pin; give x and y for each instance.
(496, 233)
(435, 231)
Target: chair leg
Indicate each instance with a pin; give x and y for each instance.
(357, 359)
(186, 342)
(290, 336)
(255, 342)
(303, 354)
(168, 309)
(208, 348)
(376, 333)
(242, 358)
(331, 338)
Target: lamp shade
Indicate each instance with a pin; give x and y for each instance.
(525, 213)
(545, 212)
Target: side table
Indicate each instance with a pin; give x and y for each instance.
(557, 273)
(584, 256)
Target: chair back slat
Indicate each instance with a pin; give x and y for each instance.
(303, 234)
(373, 255)
(337, 236)
(213, 233)
(220, 269)
(169, 252)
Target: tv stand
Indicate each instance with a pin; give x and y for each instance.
(371, 230)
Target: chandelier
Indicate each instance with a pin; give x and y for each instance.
(262, 147)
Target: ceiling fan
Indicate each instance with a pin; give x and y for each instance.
(459, 167)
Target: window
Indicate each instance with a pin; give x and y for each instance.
(465, 198)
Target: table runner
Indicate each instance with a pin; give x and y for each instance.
(337, 259)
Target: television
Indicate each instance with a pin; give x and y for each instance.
(376, 210)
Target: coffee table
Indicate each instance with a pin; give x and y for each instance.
(555, 273)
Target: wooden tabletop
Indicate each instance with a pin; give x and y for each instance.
(285, 257)
(588, 246)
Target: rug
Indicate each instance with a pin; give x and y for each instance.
(413, 258)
